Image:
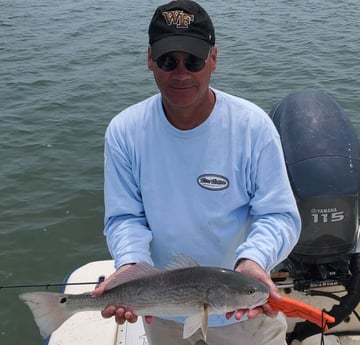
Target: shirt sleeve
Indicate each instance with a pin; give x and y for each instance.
(127, 233)
(274, 219)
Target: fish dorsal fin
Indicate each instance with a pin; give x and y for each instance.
(181, 261)
(139, 270)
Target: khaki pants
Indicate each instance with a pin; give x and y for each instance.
(261, 330)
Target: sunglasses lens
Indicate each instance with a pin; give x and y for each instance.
(168, 63)
(194, 63)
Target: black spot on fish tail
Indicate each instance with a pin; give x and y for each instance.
(63, 300)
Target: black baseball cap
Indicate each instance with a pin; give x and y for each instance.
(181, 25)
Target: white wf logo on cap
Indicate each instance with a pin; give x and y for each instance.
(179, 18)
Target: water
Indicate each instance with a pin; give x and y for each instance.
(66, 68)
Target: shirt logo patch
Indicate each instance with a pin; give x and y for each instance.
(213, 182)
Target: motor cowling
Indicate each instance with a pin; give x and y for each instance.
(322, 156)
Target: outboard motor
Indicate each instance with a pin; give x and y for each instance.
(323, 162)
(322, 157)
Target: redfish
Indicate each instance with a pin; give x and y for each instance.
(193, 292)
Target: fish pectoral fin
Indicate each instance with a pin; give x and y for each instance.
(196, 321)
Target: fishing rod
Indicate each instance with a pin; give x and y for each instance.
(101, 279)
(48, 285)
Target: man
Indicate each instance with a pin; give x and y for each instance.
(196, 171)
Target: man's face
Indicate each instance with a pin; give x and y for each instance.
(180, 87)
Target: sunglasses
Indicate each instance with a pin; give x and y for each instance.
(168, 62)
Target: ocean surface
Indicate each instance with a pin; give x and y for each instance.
(68, 67)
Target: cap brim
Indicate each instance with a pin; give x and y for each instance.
(190, 45)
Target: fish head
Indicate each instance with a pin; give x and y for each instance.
(237, 291)
(251, 294)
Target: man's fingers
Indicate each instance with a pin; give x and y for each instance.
(269, 311)
(254, 313)
(238, 314)
(130, 316)
(108, 312)
(99, 290)
(229, 315)
(148, 319)
(120, 316)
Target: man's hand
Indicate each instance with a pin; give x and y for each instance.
(251, 268)
(121, 314)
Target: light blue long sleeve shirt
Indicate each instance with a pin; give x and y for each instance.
(218, 192)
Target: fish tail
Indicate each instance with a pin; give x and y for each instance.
(50, 310)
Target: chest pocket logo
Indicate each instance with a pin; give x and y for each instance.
(213, 182)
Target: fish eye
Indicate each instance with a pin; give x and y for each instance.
(250, 291)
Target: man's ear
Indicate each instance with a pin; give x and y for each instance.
(213, 57)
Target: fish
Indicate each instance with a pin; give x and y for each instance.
(182, 289)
